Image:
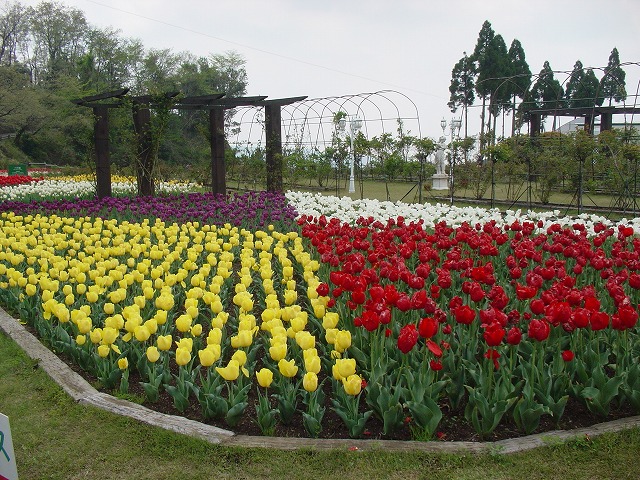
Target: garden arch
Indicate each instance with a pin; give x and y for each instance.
(215, 104)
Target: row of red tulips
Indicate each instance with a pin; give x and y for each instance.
(495, 320)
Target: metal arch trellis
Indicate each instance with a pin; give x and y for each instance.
(310, 122)
(309, 125)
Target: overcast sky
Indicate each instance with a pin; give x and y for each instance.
(326, 48)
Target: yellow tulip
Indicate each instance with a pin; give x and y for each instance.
(239, 356)
(160, 317)
(216, 306)
(192, 311)
(290, 297)
(30, 290)
(207, 357)
(196, 330)
(123, 363)
(305, 340)
(153, 355)
(278, 351)
(109, 308)
(219, 320)
(288, 368)
(95, 335)
(103, 351)
(84, 325)
(318, 309)
(330, 320)
(244, 338)
(152, 325)
(265, 377)
(81, 339)
(352, 384)
(183, 323)
(310, 381)
(343, 368)
(230, 372)
(214, 337)
(142, 333)
(92, 297)
(312, 363)
(164, 342)
(186, 343)
(164, 302)
(298, 323)
(330, 335)
(183, 356)
(343, 340)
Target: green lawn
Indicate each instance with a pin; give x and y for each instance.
(54, 438)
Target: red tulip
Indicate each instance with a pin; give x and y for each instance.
(538, 330)
(428, 327)
(407, 338)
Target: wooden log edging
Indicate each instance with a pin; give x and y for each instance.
(82, 392)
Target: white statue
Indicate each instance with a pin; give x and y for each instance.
(440, 156)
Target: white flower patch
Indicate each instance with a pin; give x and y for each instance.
(69, 189)
(348, 210)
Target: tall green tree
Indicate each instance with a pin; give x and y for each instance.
(546, 93)
(482, 89)
(109, 60)
(58, 41)
(521, 77)
(14, 25)
(588, 91)
(462, 87)
(612, 83)
(494, 70)
(574, 86)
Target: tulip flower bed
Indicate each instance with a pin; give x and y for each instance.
(380, 327)
(77, 187)
(14, 180)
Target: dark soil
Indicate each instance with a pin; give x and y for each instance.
(453, 426)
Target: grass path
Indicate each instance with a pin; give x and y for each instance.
(54, 438)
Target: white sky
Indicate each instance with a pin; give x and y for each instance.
(326, 48)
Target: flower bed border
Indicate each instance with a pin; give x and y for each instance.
(82, 392)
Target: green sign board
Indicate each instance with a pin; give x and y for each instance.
(20, 169)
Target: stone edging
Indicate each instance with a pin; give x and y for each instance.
(82, 392)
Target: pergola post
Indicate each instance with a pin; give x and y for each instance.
(218, 168)
(144, 166)
(535, 121)
(101, 140)
(606, 121)
(273, 132)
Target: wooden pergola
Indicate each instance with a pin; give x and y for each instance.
(589, 114)
(215, 104)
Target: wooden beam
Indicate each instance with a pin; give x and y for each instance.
(280, 101)
(535, 121)
(101, 140)
(273, 132)
(145, 153)
(201, 99)
(102, 96)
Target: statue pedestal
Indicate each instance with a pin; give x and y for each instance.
(440, 181)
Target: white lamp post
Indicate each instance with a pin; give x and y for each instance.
(355, 124)
(454, 130)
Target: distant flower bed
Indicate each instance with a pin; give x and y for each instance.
(16, 180)
(69, 188)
